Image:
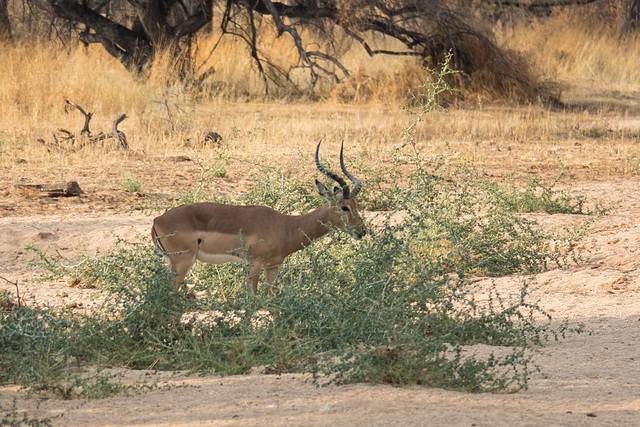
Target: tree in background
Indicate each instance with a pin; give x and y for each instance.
(628, 16)
(5, 25)
(134, 31)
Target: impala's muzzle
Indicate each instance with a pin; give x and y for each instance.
(359, 232)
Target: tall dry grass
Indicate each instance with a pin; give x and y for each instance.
(168, 118)
(570, 47)
(37, 78)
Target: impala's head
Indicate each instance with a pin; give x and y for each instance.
(342, 199)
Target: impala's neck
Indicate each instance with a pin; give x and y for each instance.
(306, 228)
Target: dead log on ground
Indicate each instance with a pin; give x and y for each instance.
(70, 189)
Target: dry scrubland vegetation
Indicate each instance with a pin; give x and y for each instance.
(591, 66)
(265, 157)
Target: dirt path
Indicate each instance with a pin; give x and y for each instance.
(586, 379)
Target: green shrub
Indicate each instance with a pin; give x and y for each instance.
(395, 307)
(130, 183)
(10, 417)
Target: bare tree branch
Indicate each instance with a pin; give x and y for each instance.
(119, 136)
(18, 297)
(87, 117)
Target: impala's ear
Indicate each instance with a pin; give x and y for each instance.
(334, 197)
(322, 190)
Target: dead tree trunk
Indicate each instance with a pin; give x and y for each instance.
(156, 25)
(5, 25)
(627, 16)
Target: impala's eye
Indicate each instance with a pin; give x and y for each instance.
(345, 208)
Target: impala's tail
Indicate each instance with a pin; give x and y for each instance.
(156, 240)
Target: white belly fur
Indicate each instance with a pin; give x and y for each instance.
(217, 258)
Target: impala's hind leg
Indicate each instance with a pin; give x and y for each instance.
(181, 264)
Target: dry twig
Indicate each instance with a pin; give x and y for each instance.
(17, 290)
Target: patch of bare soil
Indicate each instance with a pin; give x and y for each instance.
(585, 379)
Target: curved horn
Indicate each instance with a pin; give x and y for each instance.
(356, 181)
(333, 176)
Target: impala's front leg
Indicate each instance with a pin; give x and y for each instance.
(271, 276)
(254, 276)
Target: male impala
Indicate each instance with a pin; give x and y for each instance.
(258, 235)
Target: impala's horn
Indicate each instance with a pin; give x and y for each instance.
(333, 176)
(356, 181)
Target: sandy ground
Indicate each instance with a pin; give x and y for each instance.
(585, 379)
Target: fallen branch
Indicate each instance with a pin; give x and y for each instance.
(87, 116)
(69, 135)
(70, 189)
(73, 143)
(119, 136)
(17, 290)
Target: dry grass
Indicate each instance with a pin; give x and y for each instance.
(365, 111)
(571, 47)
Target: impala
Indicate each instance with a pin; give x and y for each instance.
(258, 235)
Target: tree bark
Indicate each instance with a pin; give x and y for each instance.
(133, 49)
(628, 16)
(158, 24)
(5, 25)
